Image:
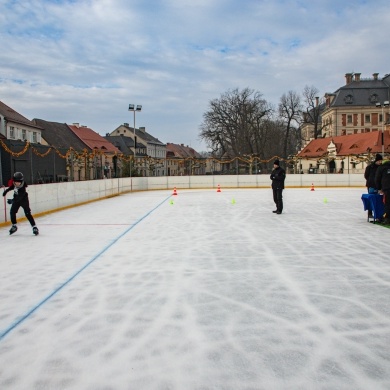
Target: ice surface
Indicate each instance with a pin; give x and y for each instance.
(202, 290)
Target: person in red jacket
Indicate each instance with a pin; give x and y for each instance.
(20, 199)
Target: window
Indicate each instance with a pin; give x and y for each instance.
(380, 118)
(349, 118)
(24, 135)
(12, 132)
(348, 99)
(374, 98)
(34, 137)
(367, 118)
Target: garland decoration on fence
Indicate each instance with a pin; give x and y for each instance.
(246, 159)
(15, 154)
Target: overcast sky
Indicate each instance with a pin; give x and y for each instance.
(85, 61)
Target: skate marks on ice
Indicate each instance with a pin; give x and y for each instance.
(206, 293)
(77, 272)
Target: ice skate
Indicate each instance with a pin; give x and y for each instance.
(13, 229)
(35, 231)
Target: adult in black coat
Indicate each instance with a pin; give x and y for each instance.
(382, 182)
(370, 172)
(278, 175)
(20, 199)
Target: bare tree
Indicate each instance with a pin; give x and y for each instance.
(234, 122)
(290, 111)
(314, 107)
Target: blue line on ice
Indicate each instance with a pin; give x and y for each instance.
(36, 307)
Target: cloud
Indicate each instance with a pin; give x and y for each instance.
(85, 61)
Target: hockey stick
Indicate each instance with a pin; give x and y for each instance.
(5, 207)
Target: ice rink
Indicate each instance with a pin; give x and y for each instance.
(204, 290)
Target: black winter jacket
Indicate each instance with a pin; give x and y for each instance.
(20, 194)
(382, 177)
(277, 176)
(369, 175)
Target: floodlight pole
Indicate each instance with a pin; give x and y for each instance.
(134, 108)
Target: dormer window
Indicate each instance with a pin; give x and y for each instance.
(374, 98)
(348, 99)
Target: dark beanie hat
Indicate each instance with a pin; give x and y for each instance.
(378, 157)
(276, 162)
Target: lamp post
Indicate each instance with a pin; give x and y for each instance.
(134, 108)
(385, 104)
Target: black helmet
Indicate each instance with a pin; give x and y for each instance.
(18, 176)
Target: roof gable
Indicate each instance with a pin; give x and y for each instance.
(59, 135)
(92, 139)
(140, 133)
(182, 151)
(12, 116)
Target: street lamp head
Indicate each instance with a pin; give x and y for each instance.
(132, 107)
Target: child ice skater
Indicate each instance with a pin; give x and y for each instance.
(20, 200)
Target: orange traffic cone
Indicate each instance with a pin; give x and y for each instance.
(174, 191)
(219, 188)
(312, 187)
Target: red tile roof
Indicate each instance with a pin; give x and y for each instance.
(181, 151)
(92, 139)
(348, 144)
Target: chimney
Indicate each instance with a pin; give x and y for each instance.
(126, 124)
(317, 100)
(357, 76)
(348, 78)
(142, 129)
(375, 75)
(76, 124)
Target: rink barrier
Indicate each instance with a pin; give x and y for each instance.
(52, 197)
